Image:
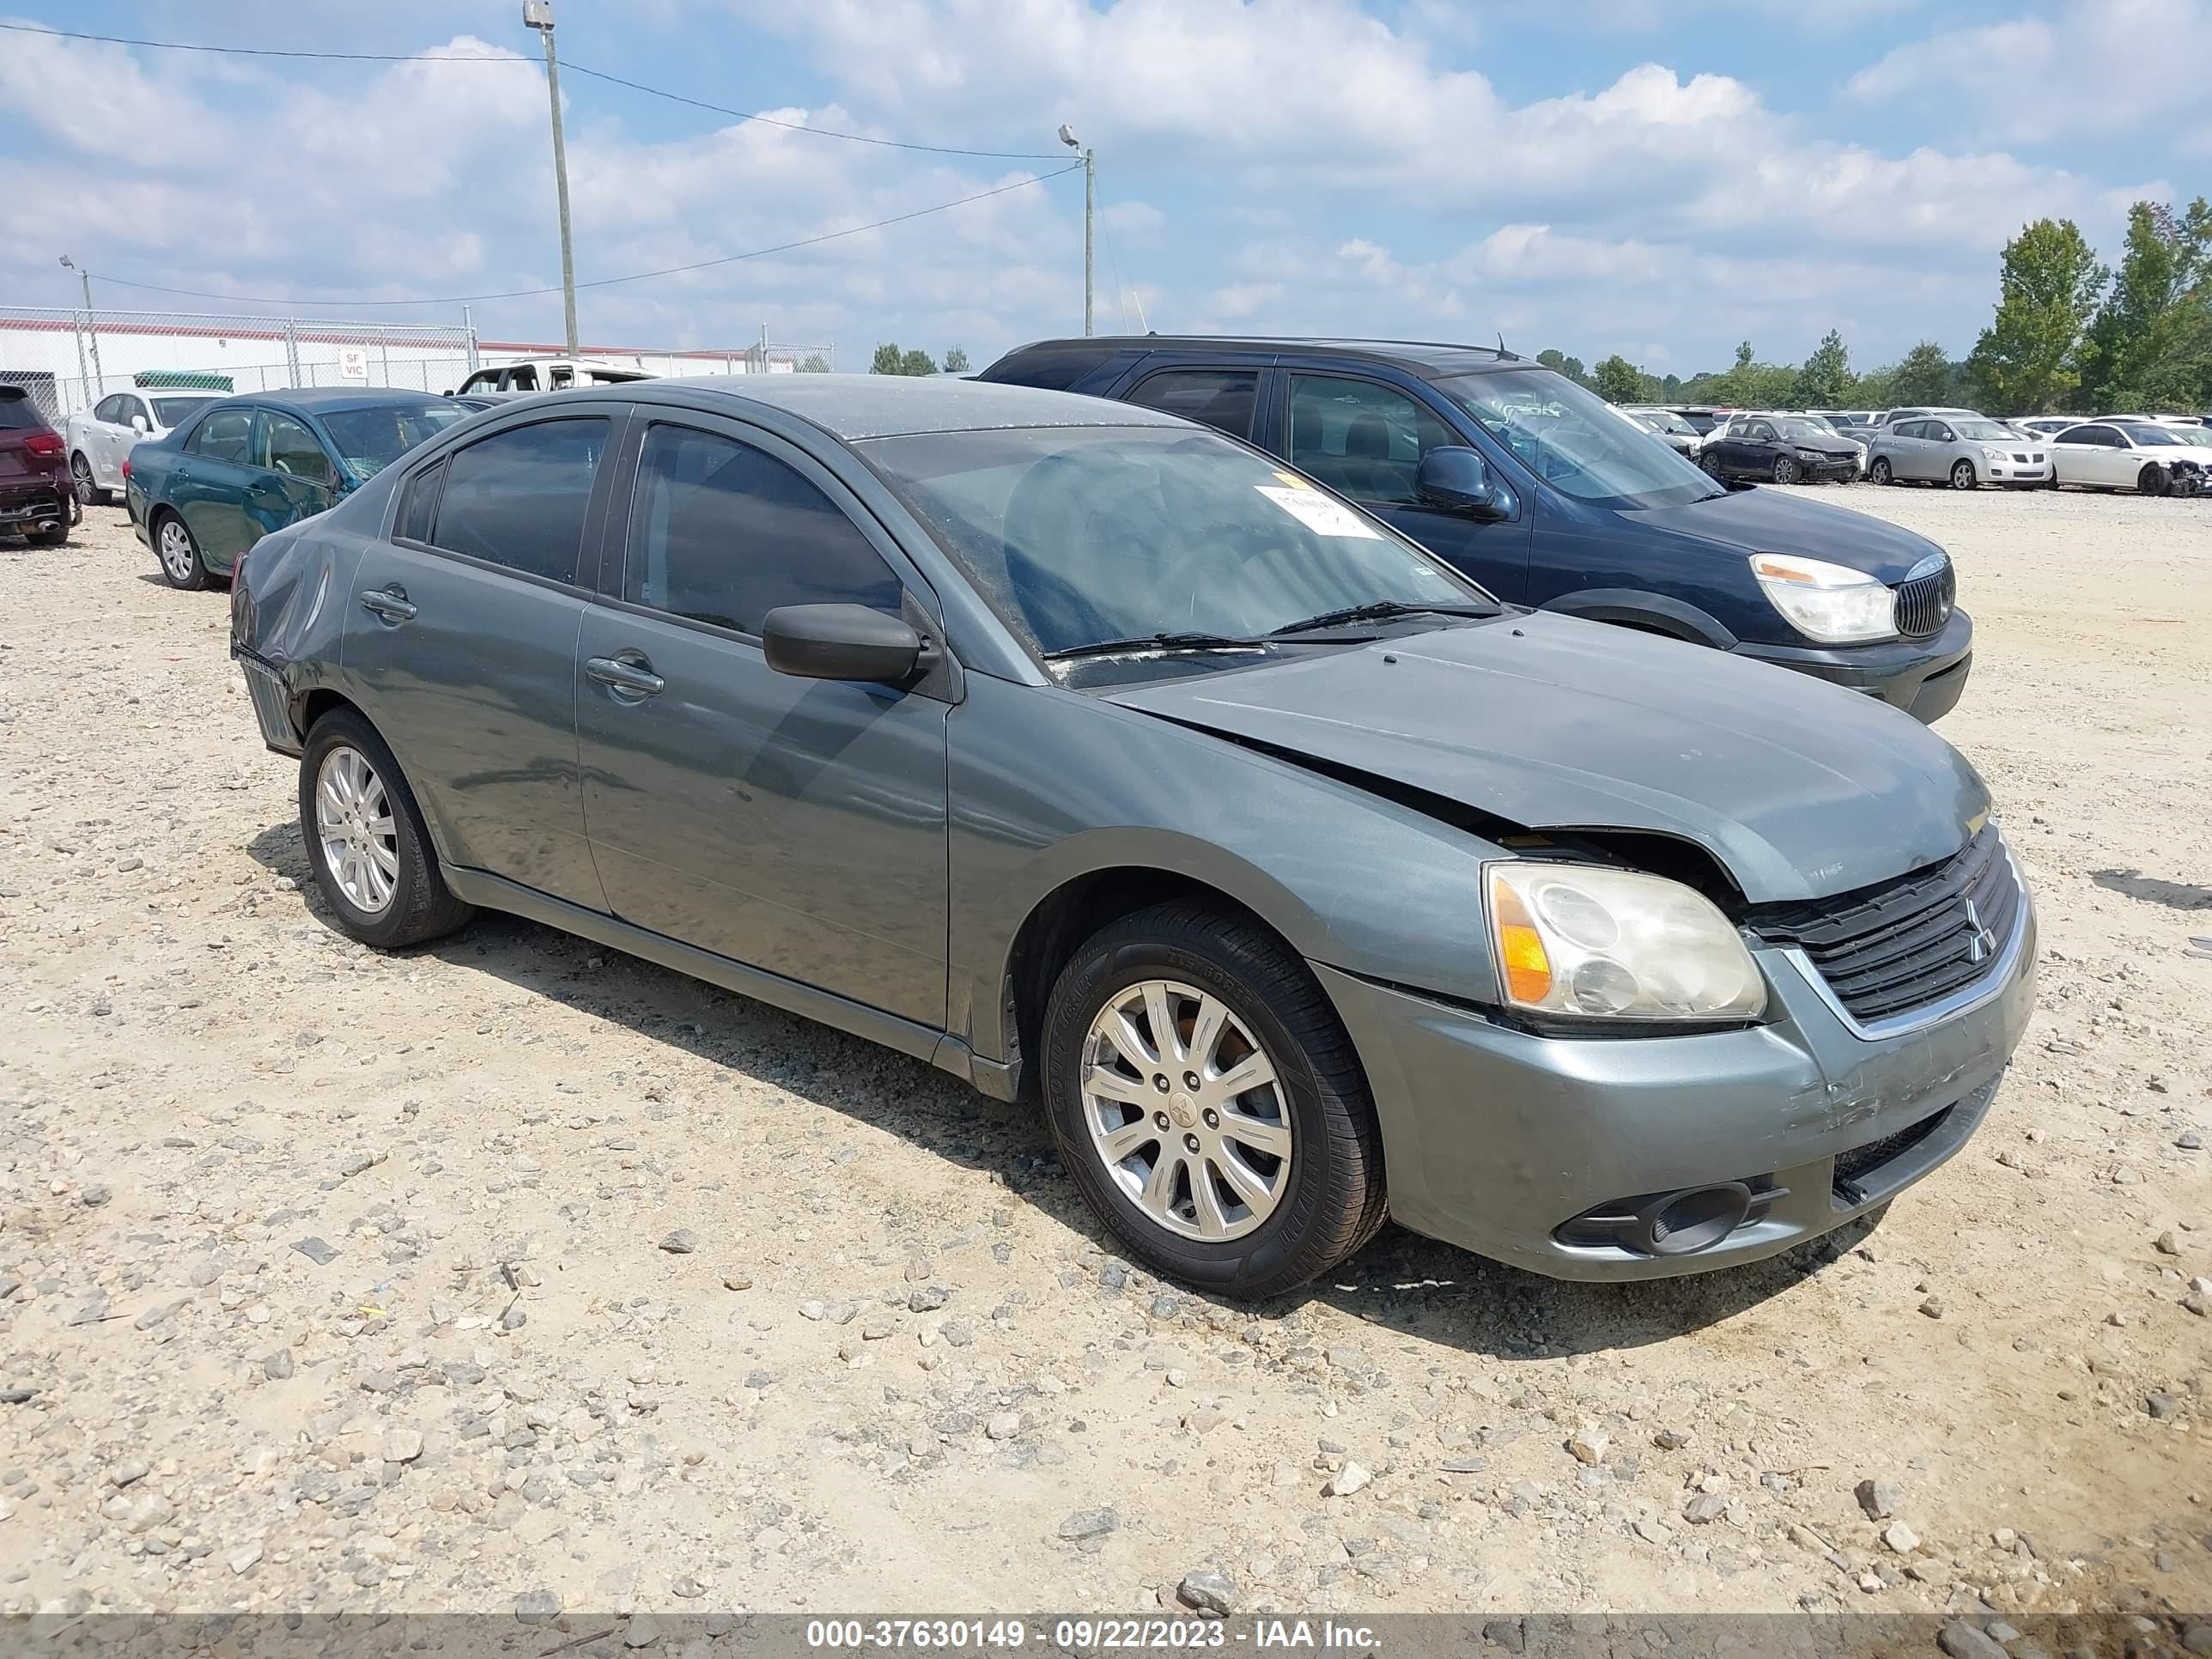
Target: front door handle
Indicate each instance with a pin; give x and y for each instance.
(389, 603)
(627, 676)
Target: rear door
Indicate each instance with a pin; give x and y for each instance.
(796, 825)
(1365, 438)
(460, 643)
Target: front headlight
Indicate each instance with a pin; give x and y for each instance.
(1585, 941)
(1990, 454)
(1830, 602)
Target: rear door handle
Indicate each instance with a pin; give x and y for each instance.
(632, 676)
(389, 603)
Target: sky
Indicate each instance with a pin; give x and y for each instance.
(1657, 178)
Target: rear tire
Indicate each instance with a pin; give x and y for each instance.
(177, 553)
(404, 899)
(1327, 1195)
(1879, 472)
(57, 536)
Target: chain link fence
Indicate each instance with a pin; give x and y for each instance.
(68, 360)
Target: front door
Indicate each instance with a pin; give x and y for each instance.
(1364, 440)
(294, 476)
(461, 644)
(208, 486)
(796, 825)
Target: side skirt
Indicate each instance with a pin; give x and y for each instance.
(491, 892)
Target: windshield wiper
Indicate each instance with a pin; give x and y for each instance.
(1155, 643)
(1376, 611)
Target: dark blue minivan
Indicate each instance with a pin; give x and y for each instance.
(1550, 498)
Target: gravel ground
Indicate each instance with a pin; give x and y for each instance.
(515, 1272)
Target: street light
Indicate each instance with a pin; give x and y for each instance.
(85, 277)
(1090, 212)
(538, 15)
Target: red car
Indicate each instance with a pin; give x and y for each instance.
(37, 499)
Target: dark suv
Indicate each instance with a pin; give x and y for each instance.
(37, 499)
(1550, 498)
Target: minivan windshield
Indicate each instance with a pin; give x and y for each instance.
(1993, 432)
(1078, 536)
(1571, 439)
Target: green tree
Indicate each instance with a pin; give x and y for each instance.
(1923, 376)
(887, 361)
(1826, 379)
(2030, 357)
(814, 364)
(2151, 343)
(956, 361)
(917, 361)
(1553, 357)
(1618, 380)
(1671, 388)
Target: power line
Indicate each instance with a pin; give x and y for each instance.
(573, 67)
(607, 282)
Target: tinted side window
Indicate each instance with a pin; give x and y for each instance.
(107, 409)
(288, 447)
(1362, 439)
(418, 508)
(1220, 397)
(518, 497)
(225, 435)
(2098, 437)
(722, 532)
(1760, 433)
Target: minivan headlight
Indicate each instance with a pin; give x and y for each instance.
(1830, 602)
(1589, 942)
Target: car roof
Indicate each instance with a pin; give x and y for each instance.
(857, 406)
(329, 399)
(1431, 359)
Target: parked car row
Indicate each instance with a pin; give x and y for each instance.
(1003, 725)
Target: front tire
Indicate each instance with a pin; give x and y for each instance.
(1208, 1103)
(177, 553)
(2152, 480)
(1785, 470)
(1880, 472)
(1962, 477)
(366, 841)
(88, 494)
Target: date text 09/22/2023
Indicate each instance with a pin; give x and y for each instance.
(1079, 1635)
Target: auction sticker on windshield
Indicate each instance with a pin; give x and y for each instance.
(1318, 513)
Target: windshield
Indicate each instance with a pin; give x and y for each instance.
(1081, 535)
(1666, 420)
(1984, 431)
(172, 411)
(1571, 439)
(1803, 428)
(2146, 437)
(370, 439)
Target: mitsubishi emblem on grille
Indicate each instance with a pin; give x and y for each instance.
(1984, 941)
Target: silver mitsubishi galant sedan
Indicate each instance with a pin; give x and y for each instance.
(1106, 764)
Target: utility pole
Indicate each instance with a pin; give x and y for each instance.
(1089, 216)
(538, 15)
(91, 329)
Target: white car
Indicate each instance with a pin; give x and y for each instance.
(546, 374)
(2128, 454)
(99, 439)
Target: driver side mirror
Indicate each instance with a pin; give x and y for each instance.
(1457, 479)
(840, 642)
(139, 426)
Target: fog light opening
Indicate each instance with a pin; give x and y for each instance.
(1682, 1224)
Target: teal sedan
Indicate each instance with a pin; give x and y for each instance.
(246, 465)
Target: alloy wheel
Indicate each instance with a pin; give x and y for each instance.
(174, 546)
(1879, 472)
(1962, 475)
(354, 822)
(1186, 1111)
(1785, 470)
(81, 477)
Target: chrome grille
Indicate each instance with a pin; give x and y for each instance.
(1901, 945)
(1923, 604)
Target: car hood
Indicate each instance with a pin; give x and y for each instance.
(1799, 788)
(1760, 520)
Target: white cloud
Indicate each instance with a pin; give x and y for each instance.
(2093, 68)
